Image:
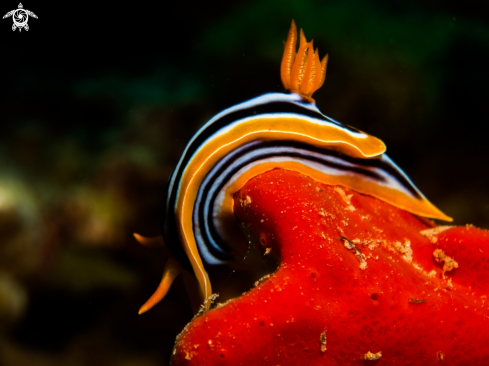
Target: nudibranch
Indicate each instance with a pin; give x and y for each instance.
(272, 131)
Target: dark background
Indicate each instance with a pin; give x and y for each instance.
(98, 101)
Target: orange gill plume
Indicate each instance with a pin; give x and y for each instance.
(302, 72)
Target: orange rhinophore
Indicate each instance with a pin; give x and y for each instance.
(302, 72)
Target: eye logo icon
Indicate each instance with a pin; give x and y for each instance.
(20, 17)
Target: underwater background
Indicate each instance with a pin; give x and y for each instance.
(97, 103)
